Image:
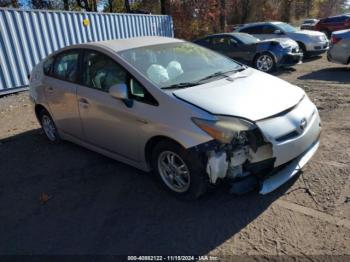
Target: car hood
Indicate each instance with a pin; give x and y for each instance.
(306, 32)
(249, 94)
(342, 32)
(284, 41)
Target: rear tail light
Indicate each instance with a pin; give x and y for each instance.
(335, 39)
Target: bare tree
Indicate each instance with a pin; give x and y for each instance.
(110, 6)
(66, 5)
(222, 15)
(84, 4)
(127, 6)
(286, 10)
(9, 3)
(163, 10)
(245, 5)
(89, 6)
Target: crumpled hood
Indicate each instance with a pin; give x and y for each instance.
(252, 95)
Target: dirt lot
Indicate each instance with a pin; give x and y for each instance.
(99, 206)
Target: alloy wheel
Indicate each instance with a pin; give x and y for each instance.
(264, 63)
(174, 171)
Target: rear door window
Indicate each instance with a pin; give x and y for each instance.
(66, 66)
(48, 65)
(269, 29)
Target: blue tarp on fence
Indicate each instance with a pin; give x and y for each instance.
(26, 37)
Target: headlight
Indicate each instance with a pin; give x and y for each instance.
(224, 129)
(285, 45)
(318, 38)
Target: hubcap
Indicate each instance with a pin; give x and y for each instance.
(264, 63)
(49, 127)
(173, 171)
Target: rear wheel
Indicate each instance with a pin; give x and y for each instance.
(265, 62)
(179, 171)
(48, 126)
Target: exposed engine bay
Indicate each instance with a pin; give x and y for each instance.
(248, 154)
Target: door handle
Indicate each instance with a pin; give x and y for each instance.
(83, 102)
(49, 89)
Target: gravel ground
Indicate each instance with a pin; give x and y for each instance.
(64, 199)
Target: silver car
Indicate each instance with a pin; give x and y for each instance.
(310, 42)
(309, 24)
(191, 115)
(339, 51)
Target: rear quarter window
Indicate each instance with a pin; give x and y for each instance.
(253, 30)
(48, 65)
(66, 66)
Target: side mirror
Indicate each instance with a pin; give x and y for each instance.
(278, 32)
(120, 91)
(233, 43)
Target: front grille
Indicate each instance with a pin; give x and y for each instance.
(260, 168)
(288, 136)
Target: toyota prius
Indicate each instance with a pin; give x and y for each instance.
(188, 114)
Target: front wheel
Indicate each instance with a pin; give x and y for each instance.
(302, 49)
(179, 171)
(327, 33)
(265, 62)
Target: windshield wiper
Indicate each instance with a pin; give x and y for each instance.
(216, 74)
(221, 73)
(180, 85)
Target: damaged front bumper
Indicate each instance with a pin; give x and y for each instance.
(289, 171)
(281, 146)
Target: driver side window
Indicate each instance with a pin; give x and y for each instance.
(101, 72)
(269, 29)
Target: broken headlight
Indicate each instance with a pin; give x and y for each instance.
(225, 128)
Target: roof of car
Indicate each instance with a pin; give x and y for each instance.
(336, 16)
(259, 23)
(135, 42)
(229, 34)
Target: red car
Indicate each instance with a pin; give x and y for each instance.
(333, 23)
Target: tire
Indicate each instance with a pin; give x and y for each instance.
(48, 126)
(327, 33)
(265, 62)
(303, 50)
(179, 171)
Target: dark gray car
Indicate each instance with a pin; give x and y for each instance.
(264, 55)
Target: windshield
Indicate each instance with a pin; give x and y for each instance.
(178, 63)
(247, 39)
(286, 27)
